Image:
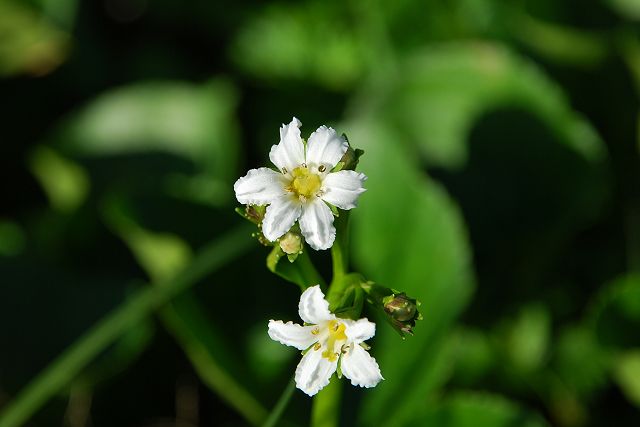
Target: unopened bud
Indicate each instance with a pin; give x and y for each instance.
(350, 159)
(402, 311)
(291, 243)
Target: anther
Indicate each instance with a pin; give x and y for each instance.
(322, 168)
(317, 346)
(315, 331)
(284, 171)
(304, 165)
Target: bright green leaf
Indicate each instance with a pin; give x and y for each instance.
(191, 121)
(445, 88)
(627, 374)
(527, 338)
(408, 235)
(65, 183)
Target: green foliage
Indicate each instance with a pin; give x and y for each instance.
(29, 44)
(193, 122)
(65, 182)
(445, 89)
(478, 410)
(122, 146)
(627, 374)
(429, 260)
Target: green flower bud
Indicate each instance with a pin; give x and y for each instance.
(401, 311)
(350, 159)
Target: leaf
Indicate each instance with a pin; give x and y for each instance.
(477, 410)
(409, 236)
(444, 89)
(626, 372)
(122, 354)
(65, 182)
(527, 338)
(580, 361)
(12, 238)
(616, 313)
(30, 44)
(193, 122)
(627, 8)
(307, 41)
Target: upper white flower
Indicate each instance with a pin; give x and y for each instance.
(329, 341)
(302, 185)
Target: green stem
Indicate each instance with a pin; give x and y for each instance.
(340, 248)
(175, 317)
(281, 405)
(326, 405)
(308, 271)
(60, 372)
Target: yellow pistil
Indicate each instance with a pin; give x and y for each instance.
(304, 184)
(336, 335)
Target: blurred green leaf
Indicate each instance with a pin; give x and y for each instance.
(267, 358)
(560, 44)
(474, 356)
(580, 361)
(478, 410)
(29, 43)
(409, 236)
(445, 88)
(627, 8)
(616, 313)
(65, 183)
(305, 41)
(162, 255)
(119, 356)
(194, 122)
(527, 338)
(12, 239)
(626, 372)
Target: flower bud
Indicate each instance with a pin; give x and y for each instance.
(350, 159)
(401, 311)
(291, 243)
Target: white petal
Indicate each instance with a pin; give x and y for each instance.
(316, 224)
(291, 334)
(313, 307)
(360, 330)
(360, 367)
(259, 187)
(281, 214)
(342, 188)
(325, 147)
(289, 153)
(314, 371)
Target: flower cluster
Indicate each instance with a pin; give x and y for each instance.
(311, 182)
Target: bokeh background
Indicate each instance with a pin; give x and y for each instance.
(501, 142)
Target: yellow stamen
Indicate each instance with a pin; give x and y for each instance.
(304, 184)
(336, 335)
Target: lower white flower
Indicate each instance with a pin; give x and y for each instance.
(329, 341)
(303, 185)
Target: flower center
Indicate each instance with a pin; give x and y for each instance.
(336, 336)
(305, 184)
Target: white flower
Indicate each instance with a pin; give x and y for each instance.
(304, 182)
(328, 341)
